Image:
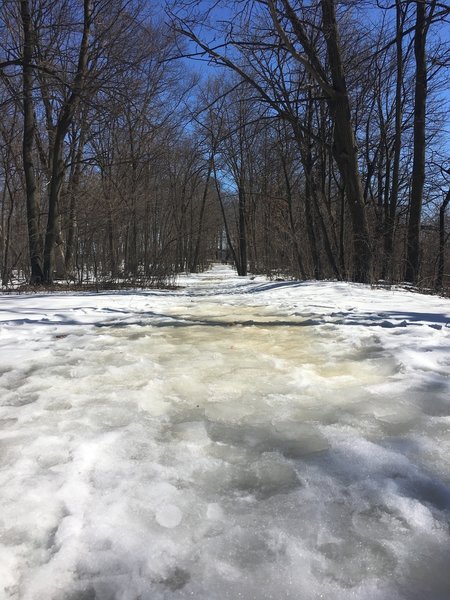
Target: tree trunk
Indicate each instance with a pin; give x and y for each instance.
(57, 162)
(316, 194)
(297, 253)
(344, 148)
(195, 259)
(441, 255)
(112, 246)
(225, 220)
(342, 221)
(242, 232)
(29, 126)
(53, 201)
(312, 237)
(418, 170)
(7, 232)
(74, 185)
(389, 225)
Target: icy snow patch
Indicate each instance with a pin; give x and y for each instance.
(235, 439)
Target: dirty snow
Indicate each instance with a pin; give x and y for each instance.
(234, 438)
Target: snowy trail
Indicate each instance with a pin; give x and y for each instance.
(235, 438)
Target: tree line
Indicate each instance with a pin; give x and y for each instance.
(101, 177)
(292, 137)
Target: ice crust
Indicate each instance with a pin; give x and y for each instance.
(233, 439)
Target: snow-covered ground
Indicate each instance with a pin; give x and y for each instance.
(235, 438)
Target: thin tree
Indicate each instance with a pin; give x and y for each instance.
(65, 117)
(282, 14)
(29, 130)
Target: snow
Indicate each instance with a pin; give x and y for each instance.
(234, 438)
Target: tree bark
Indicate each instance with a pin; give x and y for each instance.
(195, 259)
(29, 127)
(74, 185)
(297, 253)
(442, 240)
(57, 162)
(389, 225)
(344, 148)
(316, 194)
(242, 228)
(418, 170)
(225, 220)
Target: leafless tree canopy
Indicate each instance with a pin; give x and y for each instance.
(291, 137)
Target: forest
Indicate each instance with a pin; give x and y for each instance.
(293, 138)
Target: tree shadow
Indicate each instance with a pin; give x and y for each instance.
(391, 319)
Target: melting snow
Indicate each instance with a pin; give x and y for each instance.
(232, 439)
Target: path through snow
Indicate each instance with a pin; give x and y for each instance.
(234, 438)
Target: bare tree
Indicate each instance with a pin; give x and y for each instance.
(290, 28)
(29, 127)
(424, 17)
(64, 120)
